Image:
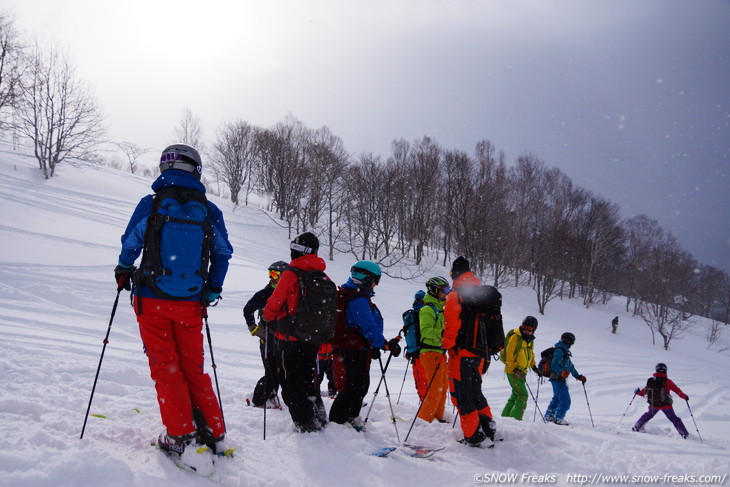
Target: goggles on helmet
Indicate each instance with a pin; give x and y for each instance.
(274, 275)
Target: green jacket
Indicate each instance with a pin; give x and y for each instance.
(431, 324)
(518, 353)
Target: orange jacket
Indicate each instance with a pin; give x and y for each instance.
(452, 313)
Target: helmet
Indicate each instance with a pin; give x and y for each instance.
(279, 265)
(366, 272)
(303, 244)
(437, 284)
(531, 321)
(183, 157)
(661, 368)
(276, 269)
(567, 338)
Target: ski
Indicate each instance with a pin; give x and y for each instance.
(419, 451)
(203, 464)
(481, 445)
(384, 452)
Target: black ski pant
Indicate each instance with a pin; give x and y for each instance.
(352, 378)
(298, 380)
(268, 386)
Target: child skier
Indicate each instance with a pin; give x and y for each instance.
(657, 392)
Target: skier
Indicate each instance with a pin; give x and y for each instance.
(297, 360)
(614, 325)
(465, 368)
(657, 392)
(351, 362)
(431, 322)
(171, 326)
(561, 367)
(519, 356)
(267, 388)
(419, 375)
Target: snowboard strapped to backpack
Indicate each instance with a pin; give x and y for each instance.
(314, 320)
(177, 244)
(656, 392)
(482, 306)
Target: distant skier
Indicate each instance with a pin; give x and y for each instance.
(561, 367)
(657, 392)
(614, 325)
(267, 388)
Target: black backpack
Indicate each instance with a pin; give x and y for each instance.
(177, 244)
(481, 305)
(315, 319)
(545, 363)
(656, 392)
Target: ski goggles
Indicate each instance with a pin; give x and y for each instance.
(274, 275)
(175, 160)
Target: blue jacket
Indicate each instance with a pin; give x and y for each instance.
(561, 361)
(364, 318)
(133, 237)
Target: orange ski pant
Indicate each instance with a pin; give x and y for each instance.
(435, 400)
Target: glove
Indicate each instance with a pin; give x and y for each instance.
(412, 356)
(537, 371)
(256, 331)
(393, 346)
(212, 294)
(582, 378)
(374, 353)
(123, 276)
(686, 397)
(564, 374)
(637, 390)
(519, 374)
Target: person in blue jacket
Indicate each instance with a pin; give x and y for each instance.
(561, 367)
(169, 303)
(363, 342)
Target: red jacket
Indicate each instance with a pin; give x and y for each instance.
(452, 314)
(285, 298)
(669, 386)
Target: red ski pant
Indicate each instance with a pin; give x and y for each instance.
(172, 335)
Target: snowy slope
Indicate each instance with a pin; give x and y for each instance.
(60, 241)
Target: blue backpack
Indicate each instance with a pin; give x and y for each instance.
(412, 329)
(177, 244)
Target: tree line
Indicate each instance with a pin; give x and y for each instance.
(520, 223)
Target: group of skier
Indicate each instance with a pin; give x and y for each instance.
(174, 286)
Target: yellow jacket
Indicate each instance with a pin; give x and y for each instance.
(519, 353)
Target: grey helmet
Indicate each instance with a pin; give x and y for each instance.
(183, 157)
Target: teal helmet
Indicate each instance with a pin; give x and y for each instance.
(366, 272)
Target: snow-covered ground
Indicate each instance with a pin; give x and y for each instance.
(60, 242)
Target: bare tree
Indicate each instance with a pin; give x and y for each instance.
(190, 130)
(132, 151)
(57, 112)
(12, 66)
(233, 157)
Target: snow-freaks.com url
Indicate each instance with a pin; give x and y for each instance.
(601, 478)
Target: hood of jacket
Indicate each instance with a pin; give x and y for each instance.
(176, 177)
(466, 279)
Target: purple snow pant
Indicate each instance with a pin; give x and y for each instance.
(669, 413)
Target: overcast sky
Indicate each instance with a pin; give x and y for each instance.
(630, 98)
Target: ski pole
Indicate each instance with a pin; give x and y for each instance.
(387, 394)
(424, 400)
(377, 389)
(627, 410)
(693, 420)
(266, 357)
(212, 363)
(589, 405)
(536, 405)
(537, 396)
(106, 340)
(404, 380)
